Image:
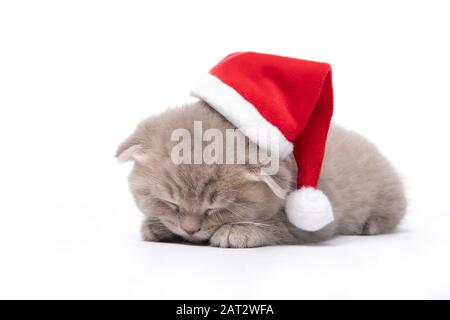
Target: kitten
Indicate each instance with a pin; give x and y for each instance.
(236, 206)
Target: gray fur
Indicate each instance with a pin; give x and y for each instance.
(365, 192)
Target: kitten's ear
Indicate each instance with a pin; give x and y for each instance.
(270, 182)
(130, 149)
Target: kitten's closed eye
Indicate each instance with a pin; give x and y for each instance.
(176, 208)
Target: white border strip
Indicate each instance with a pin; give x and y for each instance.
(228, 102)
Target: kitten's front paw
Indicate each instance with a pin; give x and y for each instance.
(147, 234)
(155, 231)
(238, 236)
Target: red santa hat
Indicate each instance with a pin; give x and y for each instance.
(290, 99)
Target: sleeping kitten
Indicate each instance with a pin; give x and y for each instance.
(235, 206)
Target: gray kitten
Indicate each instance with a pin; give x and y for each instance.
(235, 206)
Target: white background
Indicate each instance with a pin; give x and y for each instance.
(77, 76)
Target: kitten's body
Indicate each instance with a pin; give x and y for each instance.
(233, 206)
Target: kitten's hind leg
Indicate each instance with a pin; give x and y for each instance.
(387, 214)
(371, 227)
(379, 224)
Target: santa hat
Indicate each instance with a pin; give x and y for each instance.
(290, 99)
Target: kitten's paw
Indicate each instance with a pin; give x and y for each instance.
(238, 236)
(147, 234)
(374, 226)
(155, 231)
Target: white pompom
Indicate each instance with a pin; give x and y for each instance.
(309, 209)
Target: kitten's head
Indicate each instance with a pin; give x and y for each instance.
(193, 200)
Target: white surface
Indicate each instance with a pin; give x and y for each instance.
(76, 77)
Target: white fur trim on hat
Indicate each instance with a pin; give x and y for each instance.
(309, 209)
(228, 102)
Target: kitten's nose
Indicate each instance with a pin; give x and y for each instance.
(190, 231)
(191, 224)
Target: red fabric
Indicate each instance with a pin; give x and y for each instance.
(294, 95)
